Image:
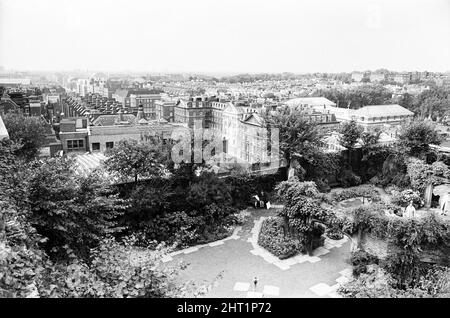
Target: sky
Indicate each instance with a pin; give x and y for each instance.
(225, 36)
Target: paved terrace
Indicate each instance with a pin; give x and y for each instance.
(238, 260)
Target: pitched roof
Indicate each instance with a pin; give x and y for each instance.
(382, 111)
(254, 119)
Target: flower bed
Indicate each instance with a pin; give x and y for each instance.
(272, 239)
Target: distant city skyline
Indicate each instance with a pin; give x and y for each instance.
(225, 37)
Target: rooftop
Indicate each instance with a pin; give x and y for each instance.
(382, 111)
(310, 101)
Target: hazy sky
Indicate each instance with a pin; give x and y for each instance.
(225, 35)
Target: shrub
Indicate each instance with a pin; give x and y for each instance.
(360, 259)
(391, 188)
(403, 198)
(348, 178)
(375, 181)
(377, 283)
(116, 270)
(271, 237)
(367, 191)
(241, 217)
(334, 234)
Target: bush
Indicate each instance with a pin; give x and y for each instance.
(348, 178)
(391, 188)
(367, 191)
(403, 198)
(360, 259)
(334, 234)
(377, 283)
(241, 217)
(271, 237)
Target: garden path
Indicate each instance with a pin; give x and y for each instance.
(238, 267)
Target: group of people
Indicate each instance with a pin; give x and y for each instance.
(261, 200)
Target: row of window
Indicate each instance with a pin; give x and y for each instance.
(78, 144)
(96, 145)
(385, 118)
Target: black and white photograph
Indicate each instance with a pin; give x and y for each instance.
(225, 155)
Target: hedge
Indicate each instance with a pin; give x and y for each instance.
(271, 237)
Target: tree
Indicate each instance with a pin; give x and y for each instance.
(370, 139)
(72, 211)
(350, 134)
(408, 101)
(354, 98)
(118, 270)
(301, 208)
(434, 103)
(137, 159)
(28, 131)
(416, 138)
(299, 139)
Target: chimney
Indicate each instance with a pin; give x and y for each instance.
(140, 113)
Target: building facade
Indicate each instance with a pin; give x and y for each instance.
(147, 101)
(192, 111)
(165, 110)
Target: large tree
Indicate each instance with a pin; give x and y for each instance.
(138, 159)
(28, 131)
(299, 138)
(416, 138)
(350, 133)
(434, 103)
(71, 210)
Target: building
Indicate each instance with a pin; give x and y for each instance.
(402, 78)
(107, 130)
(310, 102)
(3, 132)
(165, 110)
(377, 77)
(231, 128)
(140, 96)
(195, 109)
(14, 82)
(357, 76)
(7, 105)
(36, 108)
(216, 118)
(73, 134)
(317, 110)
(253, 140)
(147, 101)
(375, 116)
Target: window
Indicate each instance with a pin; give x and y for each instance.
(73, 145)
(95, 146)
(109, 145)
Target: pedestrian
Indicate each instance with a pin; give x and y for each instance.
(255, 282)
(262, 201)
(257, 200)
